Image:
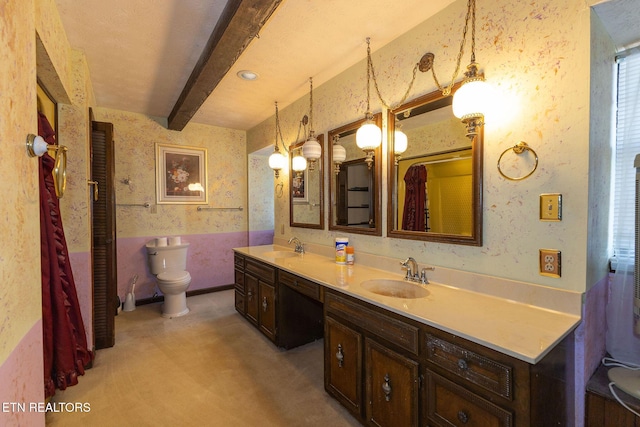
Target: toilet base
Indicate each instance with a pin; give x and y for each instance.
(175, 305)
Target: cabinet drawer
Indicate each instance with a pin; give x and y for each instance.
(238, 261)
(449, 404)
(299, 284)
(390, 328)
(239, 279)
(263, 271)
(478, 369)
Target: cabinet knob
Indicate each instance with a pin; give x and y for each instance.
(264, 304)
(340, 356)
(249, 294)
(386, 388)
(463, 417)
(462, 364)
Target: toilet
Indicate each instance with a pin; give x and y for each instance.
(168, 264)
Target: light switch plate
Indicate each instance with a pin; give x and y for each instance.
(551, 207)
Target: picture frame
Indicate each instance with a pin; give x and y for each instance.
(181, 175)
(299, 184)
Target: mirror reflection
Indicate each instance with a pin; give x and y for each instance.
(435, 183)
(306, 208)
(355, 187)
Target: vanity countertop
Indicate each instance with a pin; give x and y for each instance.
(510, 324)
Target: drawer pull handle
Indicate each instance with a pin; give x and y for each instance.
(264, 304)
(295, 283)
(250, 294)
(463, 417)
(462, 364)
(340, 356)
(386, 388)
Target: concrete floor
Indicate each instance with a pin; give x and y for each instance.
(208, 368)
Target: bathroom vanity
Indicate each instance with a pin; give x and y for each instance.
(433, 360)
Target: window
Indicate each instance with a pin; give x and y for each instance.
(627, 147)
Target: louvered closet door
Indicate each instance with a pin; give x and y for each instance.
(105, 283)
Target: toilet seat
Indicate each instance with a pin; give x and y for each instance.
(174, 278)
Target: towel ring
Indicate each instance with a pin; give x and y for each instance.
(518, 149)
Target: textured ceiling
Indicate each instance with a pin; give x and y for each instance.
(140, 53)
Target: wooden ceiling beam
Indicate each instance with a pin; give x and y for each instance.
(239, 23)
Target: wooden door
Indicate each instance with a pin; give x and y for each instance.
(103, 224)
(251, 297)
(392, 387)
(267, 310)
(343, 365)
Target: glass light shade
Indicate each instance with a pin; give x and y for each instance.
(277, 161)
(299, 163)
(400, 142)
(339, 154)
(470, 99)
(311, 150)
(369, 136)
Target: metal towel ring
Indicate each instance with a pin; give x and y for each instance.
(518, 149)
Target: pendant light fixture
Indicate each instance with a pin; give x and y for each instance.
(469, 100)
(311, 150)
(369, 135)
(338, 154)
(298, 164)
(277, 160)
(400, 142)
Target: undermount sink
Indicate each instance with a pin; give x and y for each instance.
(280, 254)
(395, 288)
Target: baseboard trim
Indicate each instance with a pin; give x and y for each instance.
(159, 298)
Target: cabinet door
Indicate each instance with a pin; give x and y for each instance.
(392, 387)
(343, 365)
(251, 298)
(267, 304)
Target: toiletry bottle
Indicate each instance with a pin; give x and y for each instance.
(350, 255)
(341, 254)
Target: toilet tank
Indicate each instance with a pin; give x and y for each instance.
(165, 258)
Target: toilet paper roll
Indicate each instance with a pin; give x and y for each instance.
(161, 241)
(174, 241)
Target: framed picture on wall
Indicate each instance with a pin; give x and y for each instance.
(181, 175)
(299, 185)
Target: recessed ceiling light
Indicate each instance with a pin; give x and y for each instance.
(247, 75)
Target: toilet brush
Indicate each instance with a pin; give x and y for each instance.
(130, 300)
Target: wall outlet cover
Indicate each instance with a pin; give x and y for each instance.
(550, 264)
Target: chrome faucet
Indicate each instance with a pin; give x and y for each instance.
(299, 245)
(412, 271)
(412, 268)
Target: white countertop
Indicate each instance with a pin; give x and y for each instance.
(510, 324)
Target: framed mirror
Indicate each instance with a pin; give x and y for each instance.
(306, 207)
(354, 205)
(435, 186)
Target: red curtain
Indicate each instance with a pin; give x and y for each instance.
(413, 216)
(65, 344)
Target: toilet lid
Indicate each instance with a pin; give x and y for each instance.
(174, 276)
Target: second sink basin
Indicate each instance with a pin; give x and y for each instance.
(280, 254)
(395, 288)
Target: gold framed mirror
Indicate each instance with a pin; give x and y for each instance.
(306, 198)
(355, 189)
(435, 186)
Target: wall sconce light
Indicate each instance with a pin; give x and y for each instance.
(400, 142)
(338, 155)
(311, 150)
(277, 160)
(369, 136)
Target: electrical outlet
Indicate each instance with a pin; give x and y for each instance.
(550, 262)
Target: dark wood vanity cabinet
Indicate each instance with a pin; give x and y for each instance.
(255, 294)
(284, 307)
(370, 362)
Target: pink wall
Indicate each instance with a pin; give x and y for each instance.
(258, 238)
(23, 366)
(209, 262)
